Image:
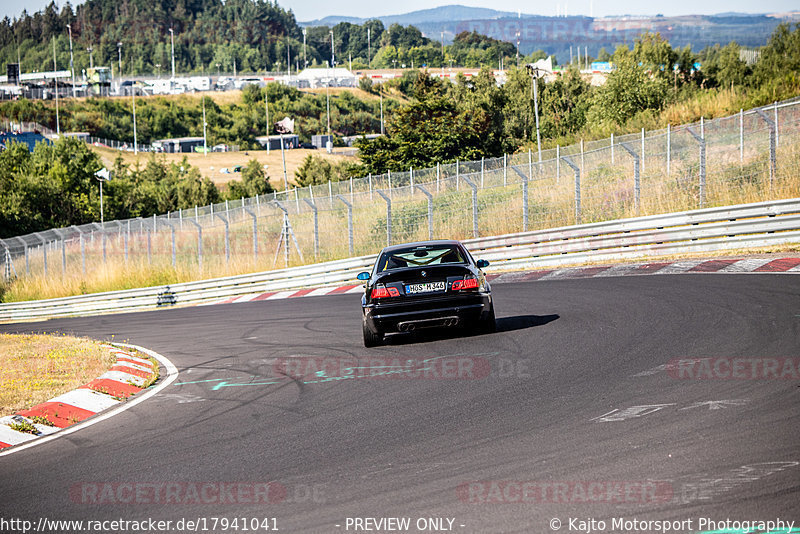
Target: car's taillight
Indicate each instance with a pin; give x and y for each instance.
(385, 292)
(468, 283)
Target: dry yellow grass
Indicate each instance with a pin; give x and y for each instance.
(606, 195)
(35, 368)
(212, 163)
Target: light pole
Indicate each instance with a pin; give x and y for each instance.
(535, 72)
(333, 56)
(517, 49)
(158, 69)
(328, 98)
(55, 86)
(369, 51)
(91, 57)
(119, 50)
(205, 146)
(102, 176)
(172, 40)
(133, 100)
(71, 60)
(305, 61)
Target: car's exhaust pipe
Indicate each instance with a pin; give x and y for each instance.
(411, 326)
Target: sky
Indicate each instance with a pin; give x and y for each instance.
(317, 9)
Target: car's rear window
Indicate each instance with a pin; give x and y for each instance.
(420, 256)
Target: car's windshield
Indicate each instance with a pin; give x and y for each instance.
(420, 256)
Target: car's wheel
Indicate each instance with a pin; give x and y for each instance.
(371, 339)
(488, 324)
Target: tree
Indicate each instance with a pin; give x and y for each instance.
(781, 57)
(564, 104)
(724, 68)
(655, 54)
(314, 171)
(627, 91)
(424, 132)
(254, 182)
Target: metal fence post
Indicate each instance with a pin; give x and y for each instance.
(44, 250)
(505, 171)
(524, 180)
(558, 163)
(287, 230)
(577, 188)
(255, 231)
(83, 252)
(773, 144)
(410, 180)
(474, 206)
(612, 149)
(741, 135)
(63, 252)
(174, 251)
(349, 221)
(430, 210)
(437, 176)
(316, 225)
(9, 266)
(643, 166)
(669, 149)
(199, 243)
(530, 164)
(227, 237)
(482, 172)
(633, 153)
(25, 247)
(702, 142)
(777, 135)
(458, 171)
(388, 216)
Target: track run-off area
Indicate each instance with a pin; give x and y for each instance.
(665, 400)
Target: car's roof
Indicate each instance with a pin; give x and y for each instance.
(435, 242)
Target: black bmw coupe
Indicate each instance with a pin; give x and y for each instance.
(425, 285)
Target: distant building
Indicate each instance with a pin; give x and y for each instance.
(322, 77)
(321, 141)
(29, 138)
(350, 139)
(274, 141)
(178, 144)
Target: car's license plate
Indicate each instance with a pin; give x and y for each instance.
(427, 287)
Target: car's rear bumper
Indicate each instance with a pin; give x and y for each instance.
(401, 316)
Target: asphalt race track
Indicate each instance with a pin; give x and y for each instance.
(575, 394)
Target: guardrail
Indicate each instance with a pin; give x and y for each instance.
(708, 230)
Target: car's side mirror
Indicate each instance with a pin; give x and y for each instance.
(482, 264)
(363, 276)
